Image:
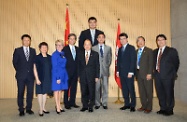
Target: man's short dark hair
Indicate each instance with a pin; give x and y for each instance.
(72, 34)
(123, 34)
(25, 35)
(140, 37)
(92, 18)
(101, 34)
(162, 36)
(42, 44)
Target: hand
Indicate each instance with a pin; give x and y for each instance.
(96, 79)
(58, 81)
(129, 76)
(38, 82)
(117, 74)
(148, 77)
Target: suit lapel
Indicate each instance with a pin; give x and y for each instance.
(23, 53)
(90, 57)
(69, 50)
(165, 52)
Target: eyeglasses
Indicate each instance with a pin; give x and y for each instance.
(123, 38)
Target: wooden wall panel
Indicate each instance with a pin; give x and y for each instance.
(44, 21)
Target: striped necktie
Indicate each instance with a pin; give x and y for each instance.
(27, 53)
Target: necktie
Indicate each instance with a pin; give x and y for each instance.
(87, 57)
(139, 56)
(93, 36)
(158, 61)
(123, 49)
(27, 53)
(101, 51)
(73, 52)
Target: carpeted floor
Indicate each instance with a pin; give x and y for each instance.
(9, 113)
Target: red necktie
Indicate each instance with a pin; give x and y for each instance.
(159, 58)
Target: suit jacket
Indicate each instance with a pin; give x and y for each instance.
(126, 60)
(169, 63)
(86, 34)
(91, 70)
(146, 62)
(105, 62)
(24, 68)
(71, 64)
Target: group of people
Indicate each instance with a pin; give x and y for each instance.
(89, 64)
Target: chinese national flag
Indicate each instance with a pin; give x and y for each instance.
(67, 27)
(118, 45)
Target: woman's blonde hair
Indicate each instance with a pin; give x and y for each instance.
(59, 41)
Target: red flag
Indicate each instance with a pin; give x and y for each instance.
(67, 27)
(118, 45)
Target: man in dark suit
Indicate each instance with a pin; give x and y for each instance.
(90, 34)
(71, 53)
(144, 74)
(88, 72)
(23, 61)
(166, 64)
(126, 65)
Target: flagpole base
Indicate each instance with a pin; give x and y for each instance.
(118, 101)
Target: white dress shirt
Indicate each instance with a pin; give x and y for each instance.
(158, 55)
(92, 31)
(25, 50)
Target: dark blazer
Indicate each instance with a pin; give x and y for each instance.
(39, 65)
(71, 65)
(91, 70)
(86, 34)
(24, 68)
(126, 60)
(146, 62)
(169, 63)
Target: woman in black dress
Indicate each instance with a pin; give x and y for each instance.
(42, 72)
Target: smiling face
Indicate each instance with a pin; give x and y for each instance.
(92, 24)
(44, 49)
(101, 38)
(161, 42)
(140, 42)
(26, 41)
(123, 40)
(59, 46)
(72, 40)
(87, 45)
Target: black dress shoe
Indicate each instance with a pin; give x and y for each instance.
(75, 106)
(46, 112)
(90, 110)
(21, 113)
(161, 112)
(97, 107)
(168, 113)
(67, 107)
(62, 110)
(83, 109)
(41, 115)
(125, 107)
(105, 107)
(132, 109)
(30, 112)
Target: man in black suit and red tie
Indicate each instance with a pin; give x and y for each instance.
(23, 61)
(166, 64)
(71, 53)
(90, 34)
(88, 72)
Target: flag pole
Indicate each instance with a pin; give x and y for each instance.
(118, 101)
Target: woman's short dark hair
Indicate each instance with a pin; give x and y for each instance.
(162, 36)
(72, 34)
(42, 44)
(123, 34)
(25, 35)
(140, 37)
(92, 18)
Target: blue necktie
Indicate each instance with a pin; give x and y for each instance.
(101, 51)
(139, 56)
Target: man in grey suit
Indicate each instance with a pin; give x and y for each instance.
(105, 58)
(144, 75)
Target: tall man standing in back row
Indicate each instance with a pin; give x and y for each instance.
(90, 34)
(105, 59)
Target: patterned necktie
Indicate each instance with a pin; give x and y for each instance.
(139, 56)
(159, 58)
(101, 51)
(87, 58)
(73, 52)
(27, 53)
